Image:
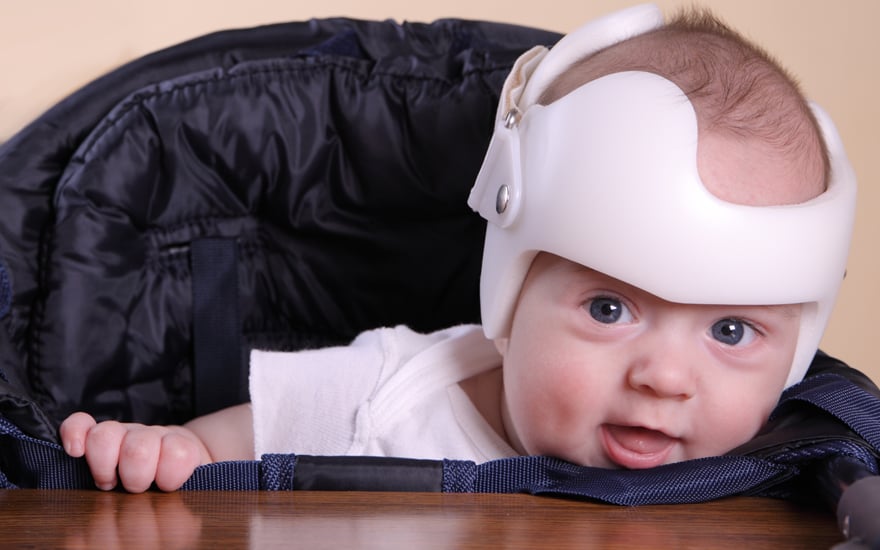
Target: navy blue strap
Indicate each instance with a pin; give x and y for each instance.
(219, 378)
(846, 401)
(682, 482)
(31, 462)
(693, 481)
(36, 463)
(287, 472)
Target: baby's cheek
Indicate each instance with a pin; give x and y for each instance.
(733, 426)
(557, 408)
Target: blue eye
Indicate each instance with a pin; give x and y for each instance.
(609, 311)
(733, 332)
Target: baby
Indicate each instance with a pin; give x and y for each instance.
(667, 232)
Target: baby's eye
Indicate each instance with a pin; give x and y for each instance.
(609, 311)
(733, 332)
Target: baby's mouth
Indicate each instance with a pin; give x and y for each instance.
(635, 447)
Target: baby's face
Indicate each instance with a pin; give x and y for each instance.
(600, 373)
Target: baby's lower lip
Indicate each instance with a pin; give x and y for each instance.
(634, 447)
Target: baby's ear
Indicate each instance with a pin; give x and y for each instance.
(501, 345)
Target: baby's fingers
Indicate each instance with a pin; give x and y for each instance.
(73, 433)
(103, 443)
(139, 457)
(179, 457)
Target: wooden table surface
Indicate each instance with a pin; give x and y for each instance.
(92, 519)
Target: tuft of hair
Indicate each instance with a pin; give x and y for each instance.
(736, 87)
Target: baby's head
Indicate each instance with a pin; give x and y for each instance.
(759, 143)
(667, 235)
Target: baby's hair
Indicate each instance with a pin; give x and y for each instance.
(737, 89)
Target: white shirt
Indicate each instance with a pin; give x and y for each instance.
(391, 392)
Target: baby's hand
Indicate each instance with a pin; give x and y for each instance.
(139, 454)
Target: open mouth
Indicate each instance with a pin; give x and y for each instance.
(635, 447)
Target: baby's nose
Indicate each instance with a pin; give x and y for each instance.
(663, 367)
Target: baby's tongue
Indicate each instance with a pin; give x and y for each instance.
(639, 440)
(636, 448)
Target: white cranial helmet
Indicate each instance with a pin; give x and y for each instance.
(567, 178)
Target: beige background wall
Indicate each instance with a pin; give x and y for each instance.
(48, 48)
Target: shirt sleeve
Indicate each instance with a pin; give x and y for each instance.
(306, 402)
